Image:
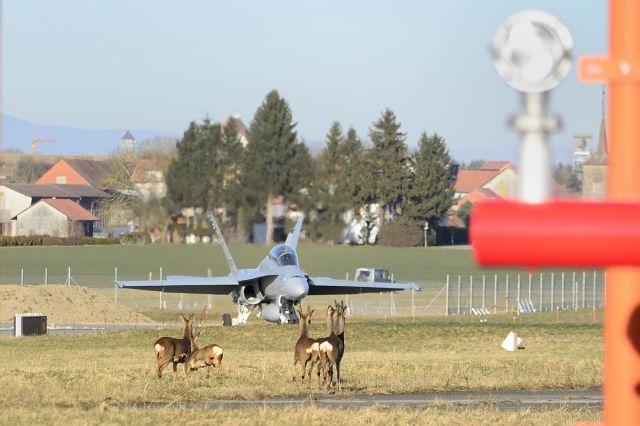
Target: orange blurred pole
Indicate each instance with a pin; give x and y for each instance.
(622, 314)
(622, 360)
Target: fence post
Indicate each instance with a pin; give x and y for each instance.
(584, 295)
(540, 304)
(446, 302)
(562, 293)
(161, 273)
(594, 289)
(506, 296)
(161, 291)
(413, 305)
(470, 293)
(495, 294)
(574, 297)
(46, 276)
(458, 309)
(552, 289)
(21, 276)
(483, 293)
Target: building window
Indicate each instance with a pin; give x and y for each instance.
(61, 179)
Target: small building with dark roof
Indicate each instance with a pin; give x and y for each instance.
(55, 217)
(18, 197)
(78, 172)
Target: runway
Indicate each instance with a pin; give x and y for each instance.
(502, 400)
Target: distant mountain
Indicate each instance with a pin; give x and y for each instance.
(17, 134)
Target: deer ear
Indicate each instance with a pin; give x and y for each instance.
(311, 313)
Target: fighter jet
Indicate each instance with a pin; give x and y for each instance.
(275, 286)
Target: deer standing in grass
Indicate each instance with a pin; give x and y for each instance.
(331, 348)
(202, 357)
(306, 349)
(172, 350)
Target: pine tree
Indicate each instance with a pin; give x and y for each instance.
(195, 178)
(275, 162)
(389, 163)
(328, 177)
(352, 171)
(432, 188)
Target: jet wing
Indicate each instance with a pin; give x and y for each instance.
(183, 284)
(324, 286)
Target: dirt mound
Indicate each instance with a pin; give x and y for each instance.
(64, 305)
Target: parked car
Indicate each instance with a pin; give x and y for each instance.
(378, 275)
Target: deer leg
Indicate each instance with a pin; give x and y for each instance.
(338, 375)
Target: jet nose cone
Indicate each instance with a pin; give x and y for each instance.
(296, 288)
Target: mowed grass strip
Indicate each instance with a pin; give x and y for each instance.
(258, 363)
(307, 415)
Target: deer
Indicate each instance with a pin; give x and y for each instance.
(306, 349)
(331, 348)
(172, 350)
(208, 356)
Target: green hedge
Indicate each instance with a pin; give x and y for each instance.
(46, 240)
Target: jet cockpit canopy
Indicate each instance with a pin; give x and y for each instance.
(283, 255)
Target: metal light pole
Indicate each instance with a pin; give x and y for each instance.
(532, 54)
(426, 228)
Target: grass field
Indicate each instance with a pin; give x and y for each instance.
(95, 267)
(97, 378)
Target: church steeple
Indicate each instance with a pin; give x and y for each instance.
(602, 153)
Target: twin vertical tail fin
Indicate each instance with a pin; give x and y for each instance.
(227, 253)
(294, 235)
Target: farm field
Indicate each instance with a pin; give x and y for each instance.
(51, 381)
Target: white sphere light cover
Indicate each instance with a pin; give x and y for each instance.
(532, 51)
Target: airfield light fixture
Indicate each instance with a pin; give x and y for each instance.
(532, 53)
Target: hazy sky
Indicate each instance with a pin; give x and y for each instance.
(154, 64)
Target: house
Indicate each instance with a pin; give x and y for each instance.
(55, 217)
(18, 197)
(78, 172)
(497, 176)
(149, 180)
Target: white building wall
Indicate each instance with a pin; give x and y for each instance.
(42, 219)
(504, 184)
(11, 203)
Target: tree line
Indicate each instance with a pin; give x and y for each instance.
(212, 171)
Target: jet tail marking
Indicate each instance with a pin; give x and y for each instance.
(294, 235)
(227, 253)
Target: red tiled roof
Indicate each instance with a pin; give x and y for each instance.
(70, 209)
(143, 166)
(468, 180)
(496, 165)
(476, 195)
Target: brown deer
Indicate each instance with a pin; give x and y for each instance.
(172, 350)
(331, 348)
(306, 349)
(202, 357)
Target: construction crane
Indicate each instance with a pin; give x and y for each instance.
(35, 141)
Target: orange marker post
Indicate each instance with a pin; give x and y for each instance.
(621, 70)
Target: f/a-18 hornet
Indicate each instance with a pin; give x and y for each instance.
(275, 286)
